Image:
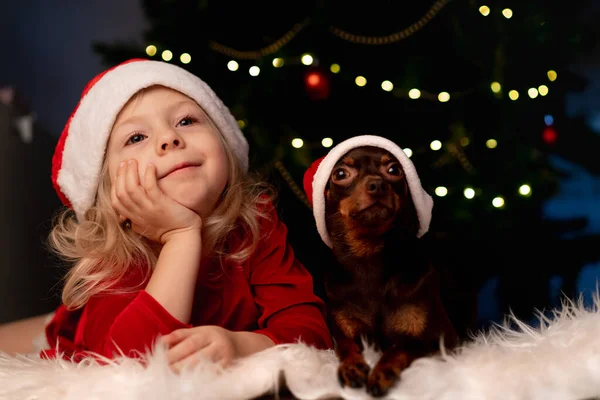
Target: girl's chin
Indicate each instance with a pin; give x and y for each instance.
(200, 208)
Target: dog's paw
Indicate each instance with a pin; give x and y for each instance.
(381, 380)
(353, 372)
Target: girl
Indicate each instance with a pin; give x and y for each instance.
(168, 235)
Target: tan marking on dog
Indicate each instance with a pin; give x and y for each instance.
(346, 206)
(386, 159)
(351, 322)
(409, 319)
(348, 161)
(358, 243)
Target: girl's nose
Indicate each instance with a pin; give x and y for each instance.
(168, 140)
(169, 144)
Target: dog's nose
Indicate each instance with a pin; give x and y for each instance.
(376, 186)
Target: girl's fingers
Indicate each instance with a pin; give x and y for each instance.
(120, 187)
(208, 353)
(175, 336)
(132, 184)
(117, 206)
(186, 348)
(150, 183)
(188, 362)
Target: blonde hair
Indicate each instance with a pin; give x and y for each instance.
(102, 252)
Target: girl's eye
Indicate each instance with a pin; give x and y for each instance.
(138, 137)
(186, 121)
(394, 170)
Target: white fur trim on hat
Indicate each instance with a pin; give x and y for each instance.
(91, 123)
(421, 199)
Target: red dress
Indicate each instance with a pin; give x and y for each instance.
(270, 293)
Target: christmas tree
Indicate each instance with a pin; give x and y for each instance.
(473, 91)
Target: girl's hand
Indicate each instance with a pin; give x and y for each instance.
(187, 347)
(152, 213)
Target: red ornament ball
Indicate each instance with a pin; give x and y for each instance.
(549, 135)
(317, 85)
(313, 79)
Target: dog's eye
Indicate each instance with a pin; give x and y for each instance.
(394, 170)
(339, 174)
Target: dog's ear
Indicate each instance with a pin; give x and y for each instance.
(408, 217)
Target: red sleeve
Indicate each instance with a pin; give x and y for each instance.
(112, 324)
(283, 290)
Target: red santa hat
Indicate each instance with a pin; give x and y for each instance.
(79, 154)
(317, 176)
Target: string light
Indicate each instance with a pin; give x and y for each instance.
(185, 58)
(360, 81)
(233, 65)
(533, 93)
(254, 70)
(306, 59)
(496, 87)
(441, 191)
(387, 86)
(327, 142)
(525, 190)
(414, 93)
(491, 143)
(469, 193)
(151, 50)
(167, 55)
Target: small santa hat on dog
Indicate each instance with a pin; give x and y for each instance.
(317, 176)
(78, 157)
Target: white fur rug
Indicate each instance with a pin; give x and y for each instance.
(558, 361)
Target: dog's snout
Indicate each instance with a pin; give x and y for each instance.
(376, 186)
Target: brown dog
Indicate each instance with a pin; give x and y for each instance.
(383, 288)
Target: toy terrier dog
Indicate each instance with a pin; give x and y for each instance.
(383, 288)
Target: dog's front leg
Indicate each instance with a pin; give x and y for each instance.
(393, 361)
(353, 369)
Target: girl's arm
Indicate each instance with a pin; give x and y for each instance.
(118, 325)
(122, 322)
(246, 343)
(174, 278)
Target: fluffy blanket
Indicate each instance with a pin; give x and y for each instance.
(558, 360)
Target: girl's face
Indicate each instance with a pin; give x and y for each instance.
(168, 129)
